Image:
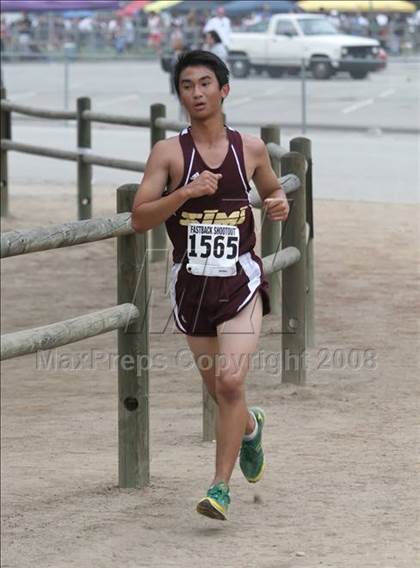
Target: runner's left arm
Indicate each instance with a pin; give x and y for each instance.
(268, 185)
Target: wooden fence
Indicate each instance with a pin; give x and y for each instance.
(286, 247)
(130, 316)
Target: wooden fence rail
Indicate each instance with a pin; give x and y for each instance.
(289, 183)
(69, 155)
(13, 243)
(67, 331)
(120, 119)
(36, 111)
(116, 163)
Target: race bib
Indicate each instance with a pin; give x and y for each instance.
(213, 250)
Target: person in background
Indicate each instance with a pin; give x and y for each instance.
(155, 31)
(334, 18)
(359, 25)
(396, 32)
(4, 35)
(130, 33)
(120, 42)
(214, 44)
(400, 30)
(414, 27)
(194, 25)
(179, 46)
(25, 34)
(165, 20)
(220, 24)
(382, 21)
(251, 19)
(177, 42)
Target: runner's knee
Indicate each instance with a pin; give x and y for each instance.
(230, 384)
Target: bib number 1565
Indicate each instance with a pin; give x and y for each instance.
(218, 246)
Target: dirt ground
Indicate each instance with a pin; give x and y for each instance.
(340, 488)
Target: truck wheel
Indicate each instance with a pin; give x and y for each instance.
(240, 68)
(275, 72)
(321, 69)
(359, 74)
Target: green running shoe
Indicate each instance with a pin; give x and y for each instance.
(215, 505)
(251, 458)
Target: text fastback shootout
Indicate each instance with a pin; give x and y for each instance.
(196, 228)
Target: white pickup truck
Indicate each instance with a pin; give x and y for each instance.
(280, 44)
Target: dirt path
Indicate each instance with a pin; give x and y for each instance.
(340, 488)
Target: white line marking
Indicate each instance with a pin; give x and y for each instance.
(27, 95)
(387, 93)
(356, 106)
(117, 100)
(241, 101)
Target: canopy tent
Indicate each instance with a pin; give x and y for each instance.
(357, 5)
(248, 6)
(198, 5)
(57, 5)
(133, 7)
(160, 5)
(78, 14)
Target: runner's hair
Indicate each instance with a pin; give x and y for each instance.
(197, 58)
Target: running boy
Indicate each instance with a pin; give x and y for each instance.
(217, 286)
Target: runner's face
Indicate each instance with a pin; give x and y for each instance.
(200, 93)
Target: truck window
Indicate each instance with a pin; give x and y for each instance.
(257, 27)
(284, 27)
(317, 26)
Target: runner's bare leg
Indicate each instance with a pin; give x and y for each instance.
(238, 340)
(205, 349)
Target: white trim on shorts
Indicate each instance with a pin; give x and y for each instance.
(174, 277)
(253, 271)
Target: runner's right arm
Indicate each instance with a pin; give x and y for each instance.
(150, 208)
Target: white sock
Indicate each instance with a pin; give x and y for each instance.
(251, 436)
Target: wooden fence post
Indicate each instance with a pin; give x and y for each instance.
(133, 354)
(294, 278)
(158, 234)
(271, 231)
(6, 134)
(304, 146)
(84, 171)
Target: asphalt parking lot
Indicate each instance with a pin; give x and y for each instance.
(350, 165)
(386, 98)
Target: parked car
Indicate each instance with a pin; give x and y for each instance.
(279, 45)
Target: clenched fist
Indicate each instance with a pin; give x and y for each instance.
(277, 207)
(205, 184)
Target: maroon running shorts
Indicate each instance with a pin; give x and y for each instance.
(201, 303)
